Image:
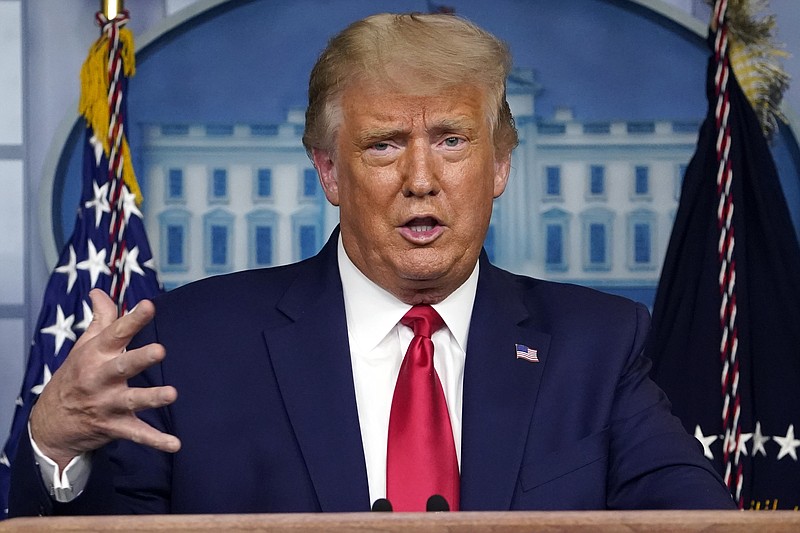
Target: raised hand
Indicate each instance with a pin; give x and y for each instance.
(88, 402)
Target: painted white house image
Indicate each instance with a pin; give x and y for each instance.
(587, 202)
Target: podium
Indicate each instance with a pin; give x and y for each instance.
(493, 522)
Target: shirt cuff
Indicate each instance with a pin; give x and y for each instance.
(63, 486)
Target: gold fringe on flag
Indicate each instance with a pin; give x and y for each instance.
(93, 105)
(755, 59)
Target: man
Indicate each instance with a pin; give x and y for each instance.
(295, 394)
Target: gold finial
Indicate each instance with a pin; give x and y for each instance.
(757, 60)
(111, 8)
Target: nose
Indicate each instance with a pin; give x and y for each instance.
(421, 170)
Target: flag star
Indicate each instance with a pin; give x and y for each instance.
(131, 263)
(149, 264)
(705, 441)
(758, 441)
(37, 390)
(129, 206)
(95, 263)
(19, 401)
(4, 460)
(788, 444)
(62, 329)
(741, 444)
(87, 318)
(99, 202)
(69, 269)
(98, 149)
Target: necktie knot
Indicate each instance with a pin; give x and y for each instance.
(423, 319)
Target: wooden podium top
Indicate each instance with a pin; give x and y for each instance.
(493, 522)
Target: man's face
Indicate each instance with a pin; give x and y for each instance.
(414, 177)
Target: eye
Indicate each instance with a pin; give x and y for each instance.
(380, 147)
(453, 142)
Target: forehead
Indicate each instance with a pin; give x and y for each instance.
(369, 104)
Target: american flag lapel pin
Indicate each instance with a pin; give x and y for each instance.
(529, 354)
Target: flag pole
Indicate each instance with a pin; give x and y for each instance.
(104, 79)
(111, 8)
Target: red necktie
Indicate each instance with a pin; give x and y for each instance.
(421, 456)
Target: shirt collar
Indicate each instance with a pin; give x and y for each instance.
(372, 312)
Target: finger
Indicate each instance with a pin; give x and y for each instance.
(116, 336)
(104, 312)
(130, 363)
(140, 432)
(138, 399)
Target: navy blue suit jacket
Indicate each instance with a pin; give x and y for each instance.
(267, 412)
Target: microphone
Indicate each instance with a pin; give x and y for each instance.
(436, 504)
(382, 505)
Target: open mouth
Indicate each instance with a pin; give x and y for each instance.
(422, 225)
(422, 229)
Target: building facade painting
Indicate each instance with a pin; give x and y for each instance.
(591, 202)
(607, 123)
(222, 198)
(587, 202)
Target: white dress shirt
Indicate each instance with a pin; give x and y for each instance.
(378, 343)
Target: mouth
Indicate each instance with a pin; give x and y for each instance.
(421, 230)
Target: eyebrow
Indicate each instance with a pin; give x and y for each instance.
(374, 134)
(457, 124)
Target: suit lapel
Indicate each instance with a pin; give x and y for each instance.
(500, 391)
(311, 358)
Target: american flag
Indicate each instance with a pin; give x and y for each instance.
(108, 248)
(529, 354)
(724, 340)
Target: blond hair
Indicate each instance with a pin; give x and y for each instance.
(433, 50)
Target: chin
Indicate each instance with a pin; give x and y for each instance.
(419, 273)
(424, 279)
(422, 266)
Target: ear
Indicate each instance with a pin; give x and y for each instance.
(327, 174)
(502, 168)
